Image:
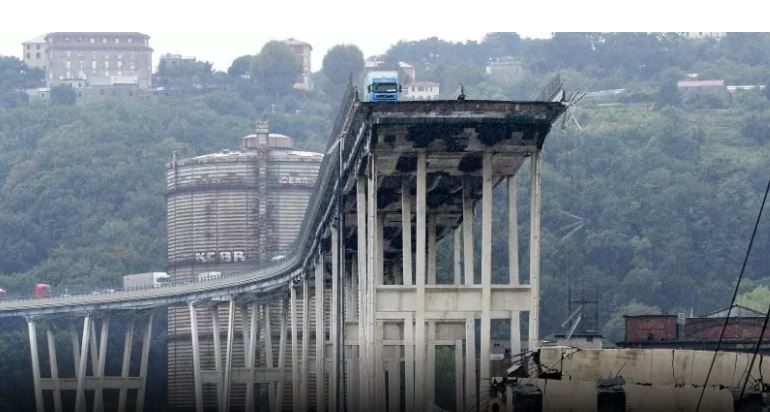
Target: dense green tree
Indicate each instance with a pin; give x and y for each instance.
(341, 62)
(184, 76)
(668, 91)
(240, 66)
(275, 68)
(757, 127)
(757, 299)
(63, 94)
(501, 44)
(15, 76)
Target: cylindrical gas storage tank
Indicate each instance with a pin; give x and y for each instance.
(229, 213)
(236, 210)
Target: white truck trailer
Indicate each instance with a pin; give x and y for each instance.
(145, 280)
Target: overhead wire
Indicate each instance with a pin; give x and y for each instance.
(732, 301)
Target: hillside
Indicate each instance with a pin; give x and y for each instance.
(666, 188)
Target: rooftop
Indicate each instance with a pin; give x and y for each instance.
(291, 41)
(95, 33)
(700, 83)
(38, 39)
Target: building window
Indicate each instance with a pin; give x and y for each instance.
(68, 64)
(37, 55)
(104, 40)
(68, 53)
(106, 64)
(117, 40)
(130, 40)
(93, 65)
(27, 46)
(28, 54)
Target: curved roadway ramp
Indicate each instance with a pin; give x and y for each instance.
(408, 173)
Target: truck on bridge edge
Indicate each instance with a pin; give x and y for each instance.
(145, 280)
(382, 86)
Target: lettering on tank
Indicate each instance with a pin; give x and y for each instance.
(224, 256)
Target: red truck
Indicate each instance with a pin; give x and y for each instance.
(42, 291)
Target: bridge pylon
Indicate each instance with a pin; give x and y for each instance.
(89, 357)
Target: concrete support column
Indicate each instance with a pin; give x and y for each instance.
(39, 406)
(250, 356)
(217, 355)
(430, 387)
(334, 320)
(282, 356)
(468, 261)
(305, 341)
(457, 257)
(99, 391)
(406, 232)
(128, 341)
(319, 334)
(380, 244)
(363, 290)
(431, 250)
(295, 375)
(534, 253)
(374, 274)
(513, 232)
(80, 401)
(420, 364)
(229, 353)
(196, 352)
(379, 368)
(513, 260)
(394, 385)
(57, 406)
(470, 363)
(144, 364)
(486, 280)
(269, 357)
(459, 375)
(93, 349)
(75, 347)
(409, 384)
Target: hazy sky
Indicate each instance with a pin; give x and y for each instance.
(222, 30)
(222, 47)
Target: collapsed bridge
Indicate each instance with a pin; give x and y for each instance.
(353, 316)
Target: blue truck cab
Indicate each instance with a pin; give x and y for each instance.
(382, 86)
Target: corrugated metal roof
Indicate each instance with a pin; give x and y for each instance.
(737, 312)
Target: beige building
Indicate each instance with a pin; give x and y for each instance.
(34, 52)
(422, 90)
(302, 50)
(85, 59)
